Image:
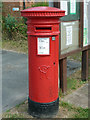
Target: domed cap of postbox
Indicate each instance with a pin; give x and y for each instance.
(42, 12)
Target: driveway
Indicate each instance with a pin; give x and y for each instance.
(14, 79)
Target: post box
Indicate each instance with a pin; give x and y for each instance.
(43, 54)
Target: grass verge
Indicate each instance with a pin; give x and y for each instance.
(78, 111)
(19, 46)
(73, 82)
(66, 110)
(76, 56)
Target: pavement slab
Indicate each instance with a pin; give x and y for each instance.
(79, 97)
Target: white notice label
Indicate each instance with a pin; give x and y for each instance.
(68, 35)
(43, 46)
(64, 6)
(85, 31)
(72, 6)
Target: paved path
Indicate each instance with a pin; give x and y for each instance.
(79, 97)
(15, 78)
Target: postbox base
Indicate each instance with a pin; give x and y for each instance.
(43, 110)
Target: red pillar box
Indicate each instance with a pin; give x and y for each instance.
(43, 51)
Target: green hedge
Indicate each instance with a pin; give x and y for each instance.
(37, 4)
(11, 26)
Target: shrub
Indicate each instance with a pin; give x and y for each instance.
(24, 20)
(10, 24)
(13, 29)
(22, 29)
(37, 4)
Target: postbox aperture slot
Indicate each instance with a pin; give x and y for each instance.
(43, 28)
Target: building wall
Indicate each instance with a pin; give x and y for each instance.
(28, 3)
(8, 7)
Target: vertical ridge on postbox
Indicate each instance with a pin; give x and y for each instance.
(43, 54)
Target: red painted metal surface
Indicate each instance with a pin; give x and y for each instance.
(43, 22)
